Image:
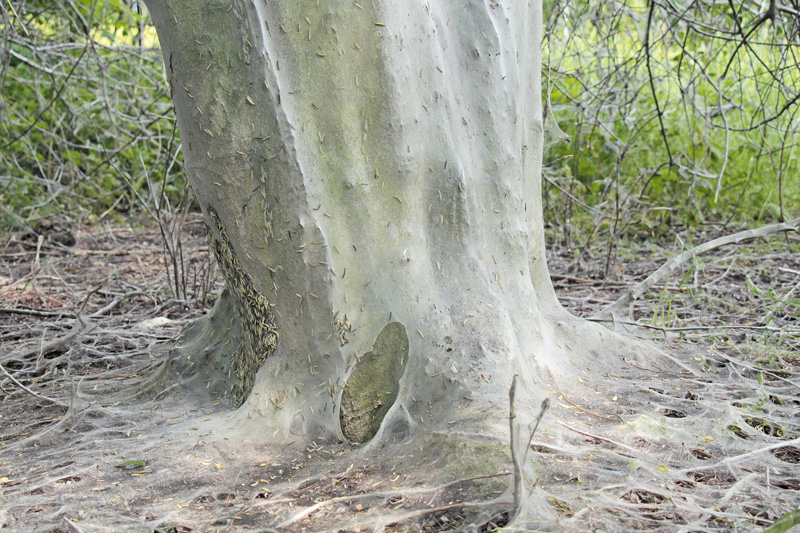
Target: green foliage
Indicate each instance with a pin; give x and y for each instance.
(787, 305)
(673, 120)
(84, 107)
(785, 523)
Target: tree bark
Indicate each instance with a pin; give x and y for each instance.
(370, 176)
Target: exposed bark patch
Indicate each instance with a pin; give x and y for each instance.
(258, 323)
(373, 385)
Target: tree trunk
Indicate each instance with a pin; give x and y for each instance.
(370, 176)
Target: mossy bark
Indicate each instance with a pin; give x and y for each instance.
(372, 387)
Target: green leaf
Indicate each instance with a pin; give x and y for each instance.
(751, 285)
(784, 523)
(131, 465)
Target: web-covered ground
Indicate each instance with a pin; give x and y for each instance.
(707, 439)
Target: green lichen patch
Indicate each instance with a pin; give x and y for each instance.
(257, 321)
(373, 385)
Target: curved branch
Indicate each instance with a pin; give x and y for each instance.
(667, 268)
(652, 82)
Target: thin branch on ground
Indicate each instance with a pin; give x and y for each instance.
(665, 329)
(635, 292)
(598, 437)
(745, 456)
(36, 312)
(29, 391)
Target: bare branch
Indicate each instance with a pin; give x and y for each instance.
(634, 293)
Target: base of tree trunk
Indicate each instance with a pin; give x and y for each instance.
(454, 427)
(386, 393)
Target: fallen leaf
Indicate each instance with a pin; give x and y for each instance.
(131, 465)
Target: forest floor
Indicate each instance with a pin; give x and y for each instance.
(707, 440)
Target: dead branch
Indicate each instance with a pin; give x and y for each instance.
(35, 312)
(29, 391)
(739, 458)
(635, 292)
(542, 409)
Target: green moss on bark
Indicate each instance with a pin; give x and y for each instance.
(373, 385)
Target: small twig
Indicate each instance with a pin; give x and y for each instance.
(52, 345)
(648, 55)
(264, 504)
(512, 415)
(737, 487)
(598, 437)
(89, 295)
(36, 266)
(72, 526)
(665, 329)
(544, 407)
(56, 98)
(757, 369)
(115, 302)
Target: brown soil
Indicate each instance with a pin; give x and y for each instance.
(85, 445)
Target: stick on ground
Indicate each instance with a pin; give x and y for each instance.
(635, 292)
